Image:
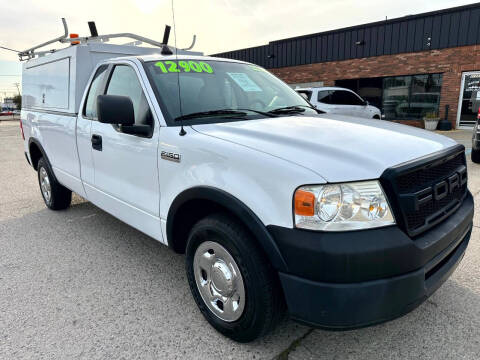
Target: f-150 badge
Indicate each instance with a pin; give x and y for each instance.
(165, 155)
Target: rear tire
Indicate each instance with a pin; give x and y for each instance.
(55, 195)
(220, 240)
(476, 156)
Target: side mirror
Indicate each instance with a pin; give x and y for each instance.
(366, 103)
(114, 109)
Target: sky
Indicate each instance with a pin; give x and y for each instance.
(220, 25)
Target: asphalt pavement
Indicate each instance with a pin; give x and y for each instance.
(81, 284)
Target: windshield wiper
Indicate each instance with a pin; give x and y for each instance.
(269, 114)
(210, 113)
(237, 112)
(289, 109)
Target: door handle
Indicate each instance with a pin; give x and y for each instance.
(97, 142)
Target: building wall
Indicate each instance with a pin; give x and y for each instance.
(451, 62)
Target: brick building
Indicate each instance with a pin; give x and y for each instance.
(408, 67)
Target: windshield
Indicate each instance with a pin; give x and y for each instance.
(210, 90)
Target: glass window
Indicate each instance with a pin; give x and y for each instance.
(124, 82)
(470, 99)
(90, 109)
(352, 99)
(307, 94)
(218, 85)
(325, 96)
(411, 97)
(341, 97)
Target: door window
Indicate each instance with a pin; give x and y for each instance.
(342, 97)
(325, 96)
(90, 109)
(307, 94)
(124, 82)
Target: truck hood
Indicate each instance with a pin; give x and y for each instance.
(338, 148)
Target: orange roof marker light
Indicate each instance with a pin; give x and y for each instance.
(74, 36)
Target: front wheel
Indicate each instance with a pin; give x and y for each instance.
(231, 281)
(55, 195)
(476, 156)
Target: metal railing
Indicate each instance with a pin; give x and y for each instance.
(30, 53)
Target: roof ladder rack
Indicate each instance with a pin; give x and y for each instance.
(30, 53)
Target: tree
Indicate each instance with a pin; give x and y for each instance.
(17, 100)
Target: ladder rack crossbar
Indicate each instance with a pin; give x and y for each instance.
(30, 53)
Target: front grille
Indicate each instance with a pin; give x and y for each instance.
(416, 219)
(424, 192)
(413, 181)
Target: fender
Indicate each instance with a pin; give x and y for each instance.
(44, 154)
(238, 208)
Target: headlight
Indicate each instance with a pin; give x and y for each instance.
(340, 207)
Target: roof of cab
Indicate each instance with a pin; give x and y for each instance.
(322, 88)
(157, 57)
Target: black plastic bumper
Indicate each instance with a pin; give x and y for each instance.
(354, 279)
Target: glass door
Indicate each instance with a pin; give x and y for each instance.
(469, 100)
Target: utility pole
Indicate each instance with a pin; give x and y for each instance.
(18, 87)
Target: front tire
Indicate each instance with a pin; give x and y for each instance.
(55, 195)
(232, 282)
(475, 156)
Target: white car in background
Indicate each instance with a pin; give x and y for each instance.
(337, 100)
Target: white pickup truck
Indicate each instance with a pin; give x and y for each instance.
(341, 101)
(341, 222)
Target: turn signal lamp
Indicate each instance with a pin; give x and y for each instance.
(304, 203)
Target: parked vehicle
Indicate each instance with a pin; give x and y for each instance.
(6, 113)
(476, 141)
(344, 222)
(337, 100)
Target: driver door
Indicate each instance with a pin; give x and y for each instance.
(125, 166)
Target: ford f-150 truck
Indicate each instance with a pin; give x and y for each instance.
(338, 221)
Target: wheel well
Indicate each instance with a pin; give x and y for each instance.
(376, 117)
(35, 154)
(187, 215)
(194, 204)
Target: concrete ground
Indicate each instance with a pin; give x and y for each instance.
(9, 117)
(81, 284)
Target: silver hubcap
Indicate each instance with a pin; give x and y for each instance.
(219, 281)
(45, 185)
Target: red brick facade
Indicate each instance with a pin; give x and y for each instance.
(451, 62)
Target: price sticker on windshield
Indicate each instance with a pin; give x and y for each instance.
(185, 66)
(244, 81)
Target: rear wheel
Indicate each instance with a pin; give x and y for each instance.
(55, 195)
(476, 156)
(231, 281)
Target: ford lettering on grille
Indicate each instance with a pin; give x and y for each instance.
(426, 191)
(438, 191)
